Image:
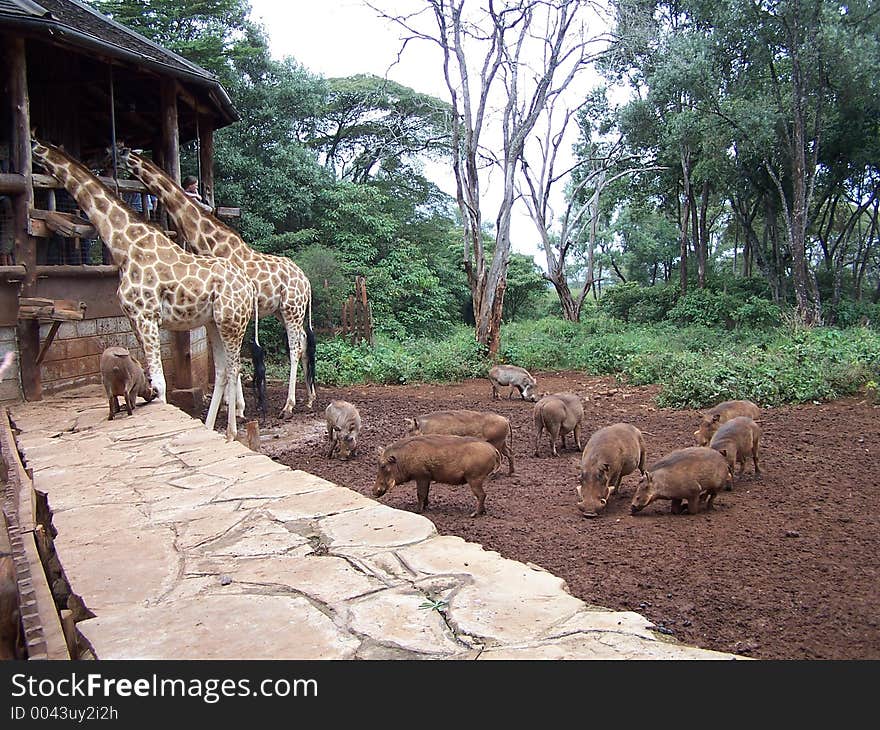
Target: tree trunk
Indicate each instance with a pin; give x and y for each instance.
(685, 218)
(703, 237)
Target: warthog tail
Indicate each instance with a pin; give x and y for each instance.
(497, 466)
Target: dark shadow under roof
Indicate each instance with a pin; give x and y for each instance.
(78, 25)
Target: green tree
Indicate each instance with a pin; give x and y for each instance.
(215, 34)
(371, 127)
(526, 289)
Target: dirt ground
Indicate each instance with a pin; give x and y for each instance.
(785, 567)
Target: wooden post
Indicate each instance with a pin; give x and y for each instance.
(25, 244)
(206, 158)
(363, 315)
(181, 344)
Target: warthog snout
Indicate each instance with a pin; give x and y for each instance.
(593, 508)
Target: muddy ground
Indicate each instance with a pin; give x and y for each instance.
(785, 567)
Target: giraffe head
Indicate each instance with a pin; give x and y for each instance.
(41, 151)
(123, 161)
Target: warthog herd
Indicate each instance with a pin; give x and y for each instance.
(467, 447)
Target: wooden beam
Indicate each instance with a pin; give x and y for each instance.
(11, 182)
(206, 157)
(25, 244)
(49, 182)
(62, 224)
(181, 346)
(191, 101)
(170, 130)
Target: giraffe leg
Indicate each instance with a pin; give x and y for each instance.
(239, 399)
(233, 382)
(219, 391)
(147, 332)
(296, 342)
(154, 374)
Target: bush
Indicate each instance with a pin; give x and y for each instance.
(705, 307)
(633, 302)
(455, 358)
(695, 366)
(848, 313)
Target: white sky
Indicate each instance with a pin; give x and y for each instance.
(345, 37)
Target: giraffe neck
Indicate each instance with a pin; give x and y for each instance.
(201, 231)
(105, 211)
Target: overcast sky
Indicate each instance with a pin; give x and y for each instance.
(345, 37)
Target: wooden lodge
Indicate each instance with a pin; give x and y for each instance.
(81, 80)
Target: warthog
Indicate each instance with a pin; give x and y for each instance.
(123, 375)
(558, 414)
(515, 377)
(714, 417)
(491, 427)
(694, 474)
(11, 641)
(438, 458)
(737, 440)
(610, 454)
(343, 428)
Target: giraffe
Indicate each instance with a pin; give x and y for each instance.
(161, 285)
(284, 290)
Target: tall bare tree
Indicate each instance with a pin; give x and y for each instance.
(601, 163)
(502, 61)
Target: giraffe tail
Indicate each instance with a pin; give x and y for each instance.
(310, 355)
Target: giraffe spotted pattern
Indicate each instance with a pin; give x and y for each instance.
(283, 289)
(161, 285)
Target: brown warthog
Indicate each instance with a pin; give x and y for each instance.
(438, 458)
(610, 454)
(343, 428)
(714, 417)
(693, 474)
(558, 414)
(123, 375)
(737, 440)
(11, 642)
(491, 427)
(515, 377)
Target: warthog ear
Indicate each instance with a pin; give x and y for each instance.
(603, 501)
(723, 452)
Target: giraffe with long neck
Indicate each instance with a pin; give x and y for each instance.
(283, 289)
(161, 285)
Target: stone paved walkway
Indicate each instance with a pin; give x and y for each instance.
(185, 546)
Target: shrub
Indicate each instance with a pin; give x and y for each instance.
(633, 302)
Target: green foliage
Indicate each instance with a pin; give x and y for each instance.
(811, 365)
(330, 285)
(848, 313)
(457, 357)
(633, 302)
(708, 307)
(694, 366)
(408, 298)
(526, 289)
(209, 32)
(372, 127)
